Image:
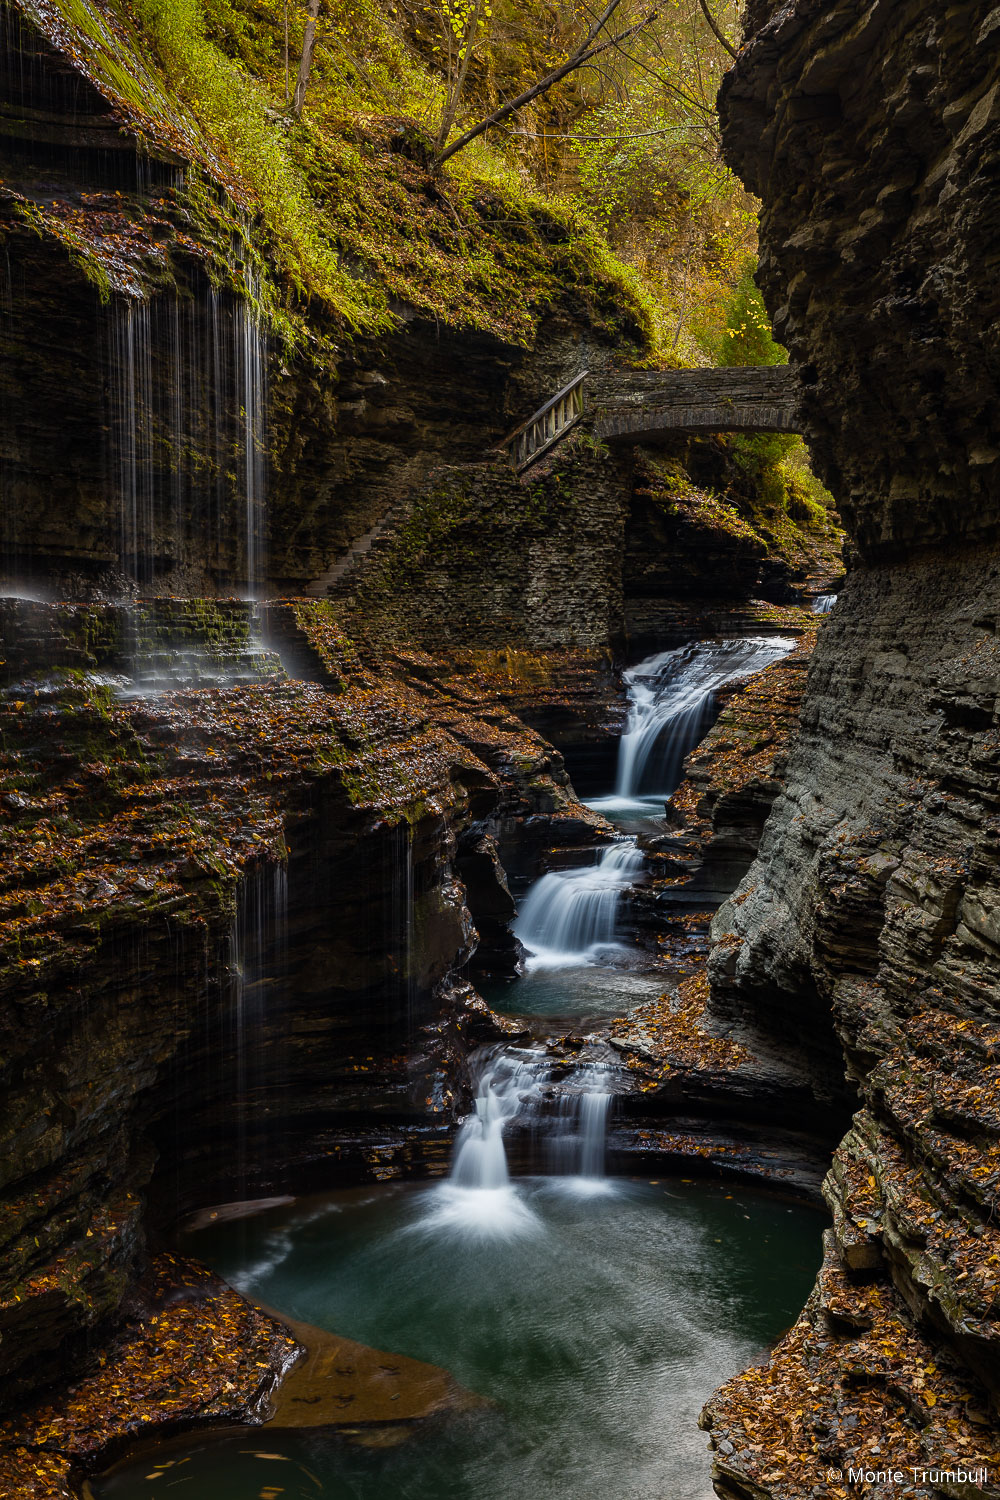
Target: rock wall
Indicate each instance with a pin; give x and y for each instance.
(873, 136)
(157, 376)
(233, 917)
(869, 132)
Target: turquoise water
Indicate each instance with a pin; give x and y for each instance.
(585, 993)
(597, 1318)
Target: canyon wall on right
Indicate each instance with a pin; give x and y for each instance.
(871, 133)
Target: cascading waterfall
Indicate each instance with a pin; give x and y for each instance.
(516, 1085)
(823, 603)
(480, 1157)
(576, 1149)
(672, 707)
(571, 916)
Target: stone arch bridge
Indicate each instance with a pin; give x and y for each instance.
(644, 406)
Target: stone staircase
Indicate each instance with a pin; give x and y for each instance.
(332, 581)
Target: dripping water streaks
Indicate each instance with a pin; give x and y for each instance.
(187, 414)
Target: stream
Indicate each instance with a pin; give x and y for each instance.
(595, 1315)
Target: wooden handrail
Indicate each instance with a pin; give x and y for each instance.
(528, 453)
(543, 409)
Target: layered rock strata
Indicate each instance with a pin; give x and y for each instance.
(232, 919)
(872, 134)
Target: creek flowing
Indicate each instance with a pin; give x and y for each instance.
(571, 917)
(595, 1315)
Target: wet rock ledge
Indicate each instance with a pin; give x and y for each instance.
(280, 850)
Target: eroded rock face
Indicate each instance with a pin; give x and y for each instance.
(870, 133)
(232, 916)
(873, 135)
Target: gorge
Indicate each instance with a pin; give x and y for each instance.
(485, 915)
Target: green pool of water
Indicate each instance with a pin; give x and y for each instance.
(586, 993)
(597, 1319)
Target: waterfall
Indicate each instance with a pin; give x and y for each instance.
(480, 1158)
(258, 957)
(570, 916)
(187, 406)
(823, 603)
(250, 385)
(576, 1149)
(479, 1197)
(132, 406)
(672, 706)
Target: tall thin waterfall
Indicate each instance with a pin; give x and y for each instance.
(570, 916)
(187, 410)
(258, 954)
(133, 404)
(250, 385)
(672, 707)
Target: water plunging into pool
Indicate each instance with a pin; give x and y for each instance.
(515, 1085)
(570, 918)
(595, 1315)
(480, 1160)
(672, 705)
(823, 603)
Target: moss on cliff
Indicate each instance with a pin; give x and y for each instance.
(338, 210)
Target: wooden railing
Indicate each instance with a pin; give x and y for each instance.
(549, 425)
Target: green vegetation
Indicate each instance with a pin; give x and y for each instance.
(787, 503)
(606, 196)
(607, 192)
(746, 337)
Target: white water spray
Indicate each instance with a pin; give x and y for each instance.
(570, 917)
(480, 1157)
(823, 603)
(577, 1146)
(479, 1197)
(672, 707)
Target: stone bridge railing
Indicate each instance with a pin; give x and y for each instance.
(641, 406)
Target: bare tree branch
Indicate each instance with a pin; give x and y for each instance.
(582, 55)
(598, 25)
(720, 35)
(455, 88)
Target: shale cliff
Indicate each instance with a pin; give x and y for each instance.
(872, 134)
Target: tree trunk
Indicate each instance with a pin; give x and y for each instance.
(305, 65)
